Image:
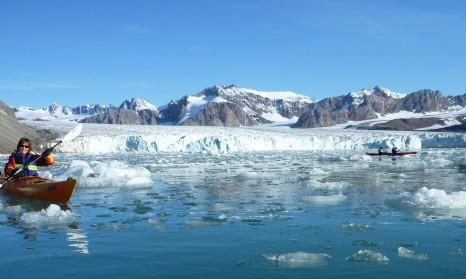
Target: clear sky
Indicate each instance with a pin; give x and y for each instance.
(104, 51)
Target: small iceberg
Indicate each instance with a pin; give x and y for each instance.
(410, 254)
(298, 259)
(52, 215)
(368, 256)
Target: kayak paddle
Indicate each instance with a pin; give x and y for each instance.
(71, 135)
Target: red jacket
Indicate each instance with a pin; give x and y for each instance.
(17, 160)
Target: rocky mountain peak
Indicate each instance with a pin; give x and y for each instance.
(137, 105)
(55, 109)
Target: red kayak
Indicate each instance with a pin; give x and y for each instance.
(40, 188)
(391, 154)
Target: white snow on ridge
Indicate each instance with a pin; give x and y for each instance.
(138, 104)
(359, 95)
(43, 114)
(284, 95)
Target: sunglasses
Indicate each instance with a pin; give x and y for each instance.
(25, 146)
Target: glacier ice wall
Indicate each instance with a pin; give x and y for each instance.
(104, 139)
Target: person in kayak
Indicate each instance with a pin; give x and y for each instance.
(25, 155)
(381, 151)
(395, 150)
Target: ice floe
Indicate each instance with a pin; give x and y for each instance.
(410, 254)
(368, 256)
(105, 174)
(325, 200)
(52, 215)
(298, 259)
(432, 203)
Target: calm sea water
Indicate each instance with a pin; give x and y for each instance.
(261, 215)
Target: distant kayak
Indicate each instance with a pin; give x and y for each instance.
(40, 188)
(391, 154)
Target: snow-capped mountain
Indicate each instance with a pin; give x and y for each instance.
(377, 103)
(132, 111)
(375, 108)
(91, 109)
(137, 105)
(60, 112)
(233, 106)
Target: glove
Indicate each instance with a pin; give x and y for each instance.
(49, 160)
(9, 172)
(47, 152)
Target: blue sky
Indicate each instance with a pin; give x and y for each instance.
(80, 52)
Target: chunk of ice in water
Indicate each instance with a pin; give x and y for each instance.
(368, 256)
(325, 200)
(298, 259)
(410, 254)
(52, 215)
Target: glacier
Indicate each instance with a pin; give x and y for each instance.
(107, 139)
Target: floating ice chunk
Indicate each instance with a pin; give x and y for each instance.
(222, 207)
(108, 174)
(52, 215)
(435, 199)
(356, 227)
(367, 256)
(330, 185)
(325, 200)
(440, 162)
(207, 221)
(458, 252)
(410, 254)
(432, 204)
(14, 209)
(46, 174)
(298, 259)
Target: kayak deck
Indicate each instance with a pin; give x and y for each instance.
(391, 154)
(40, 188)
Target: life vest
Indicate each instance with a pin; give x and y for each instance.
(24, 159)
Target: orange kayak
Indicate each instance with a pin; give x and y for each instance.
(40, 188)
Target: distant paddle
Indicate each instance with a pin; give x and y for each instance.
(71, 135)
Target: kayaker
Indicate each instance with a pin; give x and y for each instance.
(395, 150)
(381, 151)
(23, 155)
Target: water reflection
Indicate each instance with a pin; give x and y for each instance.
(77, 239)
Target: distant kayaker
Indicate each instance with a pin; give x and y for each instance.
(395, 150)
(25, 155)
(381, 151)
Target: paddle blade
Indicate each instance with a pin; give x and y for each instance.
(73, 133)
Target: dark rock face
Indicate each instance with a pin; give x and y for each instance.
(148, 117)
(12, 131)
(423, 101)
(221, 114)
(125, 117)
(174, 111)
(346, 108)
